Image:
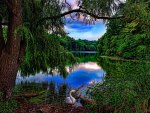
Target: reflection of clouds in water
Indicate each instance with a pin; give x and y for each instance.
(36, 78)
(39, 78)
(84, 74)
(92, 66)
(80, 77)
(92, 82)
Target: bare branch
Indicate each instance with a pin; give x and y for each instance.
(79, 11)
(68, 5)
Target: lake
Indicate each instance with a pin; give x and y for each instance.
(122, 81)
(136, 74)
(82, 74)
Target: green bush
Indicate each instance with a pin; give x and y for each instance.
(7, 106)
(127, 90)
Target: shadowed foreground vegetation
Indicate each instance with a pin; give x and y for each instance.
(126, 87)
(38, 97)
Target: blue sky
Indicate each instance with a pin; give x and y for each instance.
(82, 31)
(77, 29)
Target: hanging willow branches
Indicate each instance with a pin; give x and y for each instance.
(46, 53)
(89, 9)
(44, 17)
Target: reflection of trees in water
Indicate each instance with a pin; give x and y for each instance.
(56, 95)
(86, 57)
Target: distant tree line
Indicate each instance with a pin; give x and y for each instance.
(77, 45)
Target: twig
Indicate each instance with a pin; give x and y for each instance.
(79, 11)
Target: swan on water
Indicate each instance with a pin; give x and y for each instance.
(70, 100)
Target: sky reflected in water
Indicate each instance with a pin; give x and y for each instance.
(83, 74)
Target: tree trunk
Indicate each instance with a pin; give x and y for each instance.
(10, 52)
(1, 36)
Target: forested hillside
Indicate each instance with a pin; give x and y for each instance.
(77, 45)
(128, 37)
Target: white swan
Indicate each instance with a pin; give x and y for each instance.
(70, 100)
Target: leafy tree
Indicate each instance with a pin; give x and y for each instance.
(125, 89)
(128, 37)
(26, 17)
(77, 45)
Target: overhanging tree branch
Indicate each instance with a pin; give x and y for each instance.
(75, 11)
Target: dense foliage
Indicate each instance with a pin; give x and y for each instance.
(77, 45)
(125, 89)
(128, 37)
(46, 54)
(52, 51)
(26, 44)
(8, 106)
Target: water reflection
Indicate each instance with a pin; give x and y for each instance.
(84, 77)
(83, 74)
(90, 66)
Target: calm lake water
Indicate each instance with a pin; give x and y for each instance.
(83, 74)
(120, 75)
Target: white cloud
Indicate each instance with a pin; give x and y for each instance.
(69, 29)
